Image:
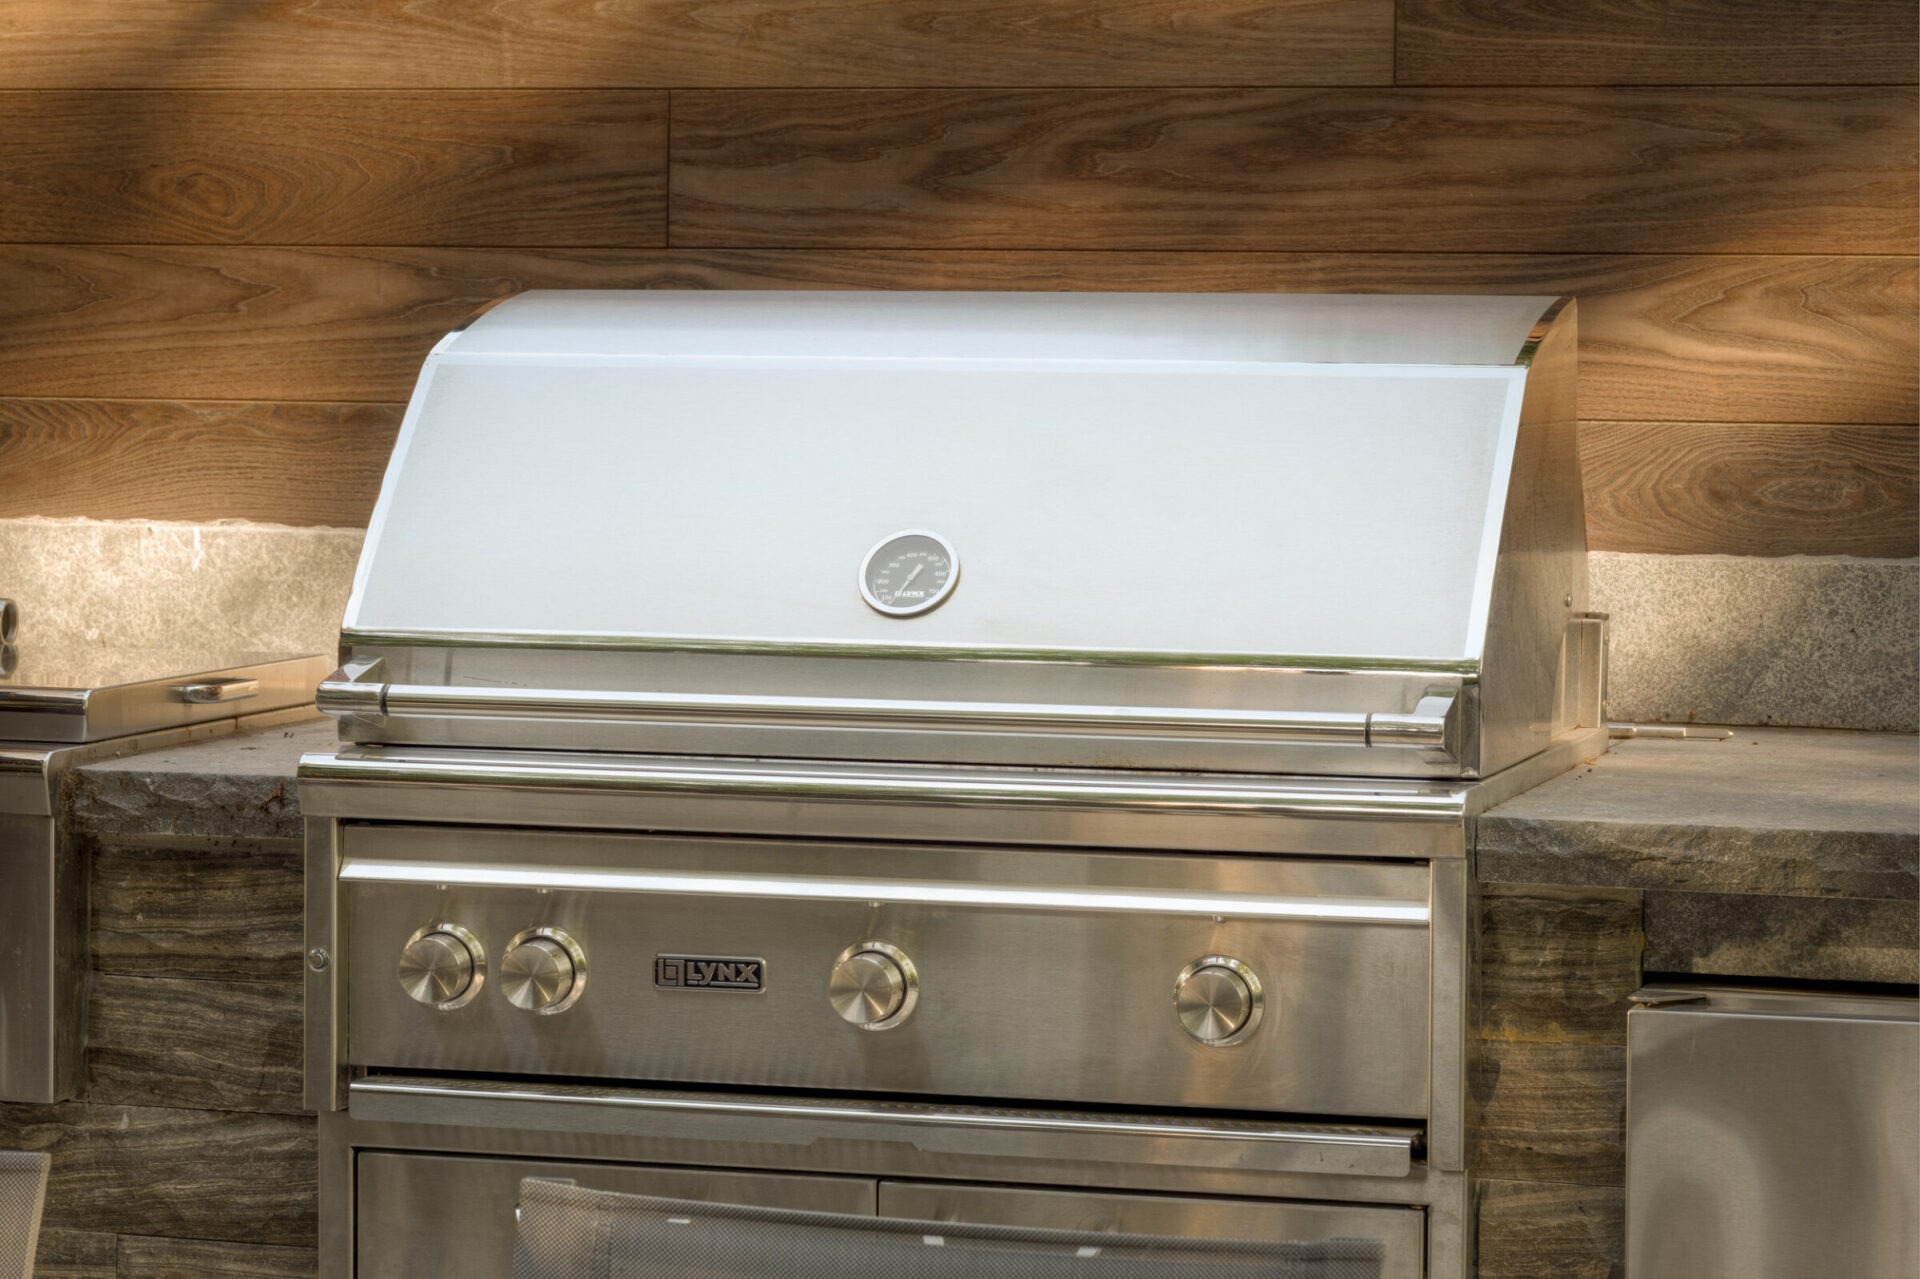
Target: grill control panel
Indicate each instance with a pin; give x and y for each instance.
(891, 968)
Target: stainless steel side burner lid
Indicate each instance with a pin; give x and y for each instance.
(115, 692)
(1300, 534)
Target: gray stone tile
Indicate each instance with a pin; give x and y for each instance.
(90, 586)
(1800, 938)
(1830, 642)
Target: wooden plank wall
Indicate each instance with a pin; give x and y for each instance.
(230, 229)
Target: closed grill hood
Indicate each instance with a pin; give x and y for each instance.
(1276, 534)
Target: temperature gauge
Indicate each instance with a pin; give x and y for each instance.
(909, 573)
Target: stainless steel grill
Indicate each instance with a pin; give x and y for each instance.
(701, 829)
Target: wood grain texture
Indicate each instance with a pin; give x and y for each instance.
(180, 1173)
(1742, 339)
(1625, 42)
(528, 168)
(148, 1258)
(204, 1045)
(1743, 489)
(75, 1254)
(361, 44)
(194, 461)
(1789, 170)
(1551, 1112)
(232, 916)
(1532, 1230)
(1557, 965)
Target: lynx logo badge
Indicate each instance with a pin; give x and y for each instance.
(709, 972)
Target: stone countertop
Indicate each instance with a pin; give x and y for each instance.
(1775, 812)
(1778, 812)
(239, 786)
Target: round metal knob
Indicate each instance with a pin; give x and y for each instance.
(874, 986)
(1218, 1000)
(543, 971)
(442, 966)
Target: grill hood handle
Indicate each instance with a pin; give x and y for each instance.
(356, 691)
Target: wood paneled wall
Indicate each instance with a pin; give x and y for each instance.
(230, 229)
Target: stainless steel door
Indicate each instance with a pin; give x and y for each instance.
(1772, 1136)
(1400, 1232)
(452, 1217)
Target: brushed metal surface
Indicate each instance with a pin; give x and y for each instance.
(1307, 816)
(1254, 456)
(1540, 575)
(76, 715)
(1099, 387)
(442, 966)
(43, 954)
(873, 985)
(1343, 945)
(451, 1217)
(1148, 1167)
(1773, 1136)
(935, 1130)
(1219, 1000)
(1401, 1231)
(543, 971)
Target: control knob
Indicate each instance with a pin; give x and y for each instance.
(544, 971)
(873, 985)
(1218, 1000)
(442, 966)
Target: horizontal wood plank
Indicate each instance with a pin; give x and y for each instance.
(1742, 339)
(1800, 170)
(1530, 1230)
(365, 44)
(235, 915)
(149, 1258)
(192, 1174)
(1551, 1112)
(291, 463)
(1557, 965)
(527, 168)
(1701, 488)
(1626, 42)
(207, 1045)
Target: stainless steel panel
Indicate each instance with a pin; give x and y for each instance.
(452, 1217)
(1000, 1133)
(92, 714)
(1401, 1231)
(1540, 581)
(1773, 1136)
(323, 1061)
(1454, 934)
(1032, 964)
(43, 961)
(1306, 816)
(1254, 469)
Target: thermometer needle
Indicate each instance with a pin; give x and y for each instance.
(909, 582)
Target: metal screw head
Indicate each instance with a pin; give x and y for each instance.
(318, 959)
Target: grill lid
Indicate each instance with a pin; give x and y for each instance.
(1145, 530)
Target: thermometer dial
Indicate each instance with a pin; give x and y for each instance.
(909, 573)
